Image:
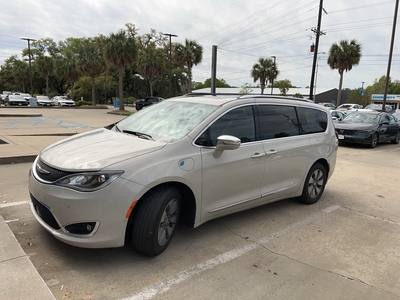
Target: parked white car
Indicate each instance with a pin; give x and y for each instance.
(195, 157)
(44, 101)
(63, 101)
(349, 106)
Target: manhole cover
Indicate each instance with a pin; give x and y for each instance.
(2, 142)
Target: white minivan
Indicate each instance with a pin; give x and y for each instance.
(196, 157)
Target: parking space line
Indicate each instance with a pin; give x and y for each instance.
(163, 286)
(13, 123)
(3, 205)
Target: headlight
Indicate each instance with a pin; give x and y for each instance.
(88, 182)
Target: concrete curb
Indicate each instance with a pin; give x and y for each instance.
(20, 115)
(19, 279)
(17, 159)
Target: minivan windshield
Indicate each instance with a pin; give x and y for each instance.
(167, 121)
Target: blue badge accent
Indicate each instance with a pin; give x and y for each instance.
(186, 164)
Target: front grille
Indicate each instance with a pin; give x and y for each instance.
(48, 173)
(44, 213)
(346, 131)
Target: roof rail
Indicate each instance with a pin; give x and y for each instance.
(192, 94)
(248, 96)
(278, 97)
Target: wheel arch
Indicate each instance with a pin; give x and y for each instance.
(188, 213)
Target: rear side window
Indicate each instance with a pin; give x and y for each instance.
(312, 120)
(277, 121)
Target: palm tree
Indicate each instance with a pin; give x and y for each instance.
(45, 67)
(90, 61)
(67, 68)
(272, 74)
(121, 52)
(188, 55)
(151, 64)
(21, 73)
(343, 57)
(263, 71)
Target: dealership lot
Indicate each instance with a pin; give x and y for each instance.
(343, 247)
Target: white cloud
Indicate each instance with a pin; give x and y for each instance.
(243, 31)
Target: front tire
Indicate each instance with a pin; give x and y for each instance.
(396, 139)
(156, 220)
(314, 185)
(374, 140)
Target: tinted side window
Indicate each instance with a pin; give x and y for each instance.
(238, 122)
(312, 120)
(392, 119)
(277, 121)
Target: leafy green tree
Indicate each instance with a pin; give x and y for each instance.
(220, 83)
(90, 61)
(121, 52)
(188, 55)
(343, 57)
(151, 65)
(20, 71)
(355, 97)
(262, 71)
(298, 95)
(286, 83)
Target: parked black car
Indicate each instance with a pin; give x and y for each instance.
(147, 102)
(369, 128)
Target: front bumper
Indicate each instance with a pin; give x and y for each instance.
(66, 104)
(363, 138)
(57, 209)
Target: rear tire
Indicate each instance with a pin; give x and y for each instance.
(156, 220)
(314, 185)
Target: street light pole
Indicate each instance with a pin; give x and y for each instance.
(30, 66)
(272, 83)
(170, 61)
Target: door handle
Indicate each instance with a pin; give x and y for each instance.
(271, 152)
(257, 155)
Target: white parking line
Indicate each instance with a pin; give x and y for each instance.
(163, 286)
(2, 205)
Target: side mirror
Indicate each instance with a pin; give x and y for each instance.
(226, 142)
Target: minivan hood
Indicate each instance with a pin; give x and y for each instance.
(96, 149)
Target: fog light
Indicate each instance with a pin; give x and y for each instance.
(81, 228)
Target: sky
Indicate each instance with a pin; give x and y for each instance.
(242, 30)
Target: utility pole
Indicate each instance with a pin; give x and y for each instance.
(317, 32)
(30, 66)
(390, 55)
(170, 62)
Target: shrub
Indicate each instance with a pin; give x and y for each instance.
(82, 102)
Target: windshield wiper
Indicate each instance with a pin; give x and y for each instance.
(139, 134)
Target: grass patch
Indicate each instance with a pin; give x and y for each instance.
(120, 112)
